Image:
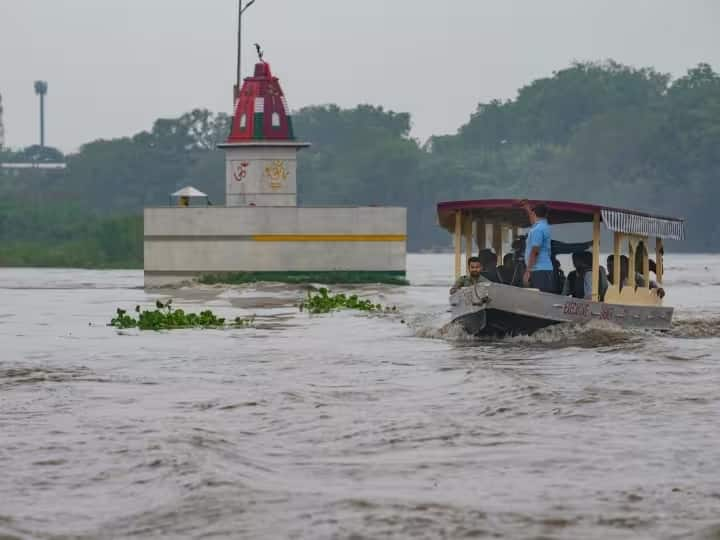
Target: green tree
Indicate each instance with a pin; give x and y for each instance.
(599, 132)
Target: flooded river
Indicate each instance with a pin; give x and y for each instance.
(351, 425)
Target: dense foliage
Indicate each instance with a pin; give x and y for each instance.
(595, 132)
(67, 234)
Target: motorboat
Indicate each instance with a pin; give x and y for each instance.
(496, 308)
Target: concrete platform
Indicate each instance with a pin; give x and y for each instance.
(185, 243)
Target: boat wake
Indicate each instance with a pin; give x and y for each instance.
(593, 334)
(449, 332)
(436, 326)
(695, 327)
(586, 335)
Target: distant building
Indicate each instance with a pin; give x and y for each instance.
(36, 157)
(261, 228)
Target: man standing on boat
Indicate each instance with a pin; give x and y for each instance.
(538, 260)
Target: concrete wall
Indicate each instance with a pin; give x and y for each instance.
(185, 242)
(263, 176)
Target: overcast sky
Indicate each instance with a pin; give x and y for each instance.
(114, 66)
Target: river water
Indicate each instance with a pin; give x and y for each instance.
(351, 425)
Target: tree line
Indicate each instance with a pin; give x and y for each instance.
(593, 132)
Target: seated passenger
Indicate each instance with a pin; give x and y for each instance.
(624, 270)
(558, 274)
(579, 282)
(640, 278)
(507, 270)
(473, 276)
(652, 267)
(488, 259)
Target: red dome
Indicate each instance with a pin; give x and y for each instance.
(261, 112)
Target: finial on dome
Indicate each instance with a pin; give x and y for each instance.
(260, 52)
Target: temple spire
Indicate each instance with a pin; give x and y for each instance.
(261, 111)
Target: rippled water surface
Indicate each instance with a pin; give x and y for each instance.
(349, 425)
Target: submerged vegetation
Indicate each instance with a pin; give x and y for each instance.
(329, 277)
(164, 317)
(324, 302)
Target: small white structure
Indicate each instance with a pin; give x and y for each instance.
(188, 195)
(261, 228)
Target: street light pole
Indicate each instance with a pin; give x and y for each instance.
(241, 10)
(41, 88)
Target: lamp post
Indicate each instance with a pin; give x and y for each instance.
(41, 88)
(241, 10)
(2, 129)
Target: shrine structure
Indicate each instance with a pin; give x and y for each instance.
(261, 231)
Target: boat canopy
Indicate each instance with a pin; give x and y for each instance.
(510, 212)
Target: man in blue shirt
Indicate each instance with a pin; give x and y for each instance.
(538, 261)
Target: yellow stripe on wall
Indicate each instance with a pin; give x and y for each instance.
(329, 237)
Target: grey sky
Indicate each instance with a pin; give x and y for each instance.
(115, 66)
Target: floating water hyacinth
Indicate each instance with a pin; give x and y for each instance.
(324, 302)
(164, 317)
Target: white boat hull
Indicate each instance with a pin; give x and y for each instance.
(496, 309)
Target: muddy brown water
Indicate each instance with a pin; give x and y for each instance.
(349, 425)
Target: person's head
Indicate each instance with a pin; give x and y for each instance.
(640, 254)
(509, 260)
(624, 266)
(541, 211)
(475, 266)
(582, 260)
(610, 262)
(488, 258)
(577, 261)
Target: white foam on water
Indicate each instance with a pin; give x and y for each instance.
(696, 327)
(590, 334)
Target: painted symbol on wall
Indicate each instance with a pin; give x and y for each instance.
(240, 170)
(276, 173)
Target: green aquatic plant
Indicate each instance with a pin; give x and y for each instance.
(164, 317)
(324, 302)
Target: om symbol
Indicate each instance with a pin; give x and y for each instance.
(240, 171)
